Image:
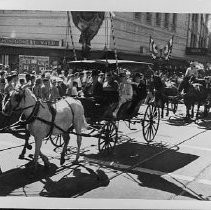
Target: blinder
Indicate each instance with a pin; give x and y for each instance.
(19, 95)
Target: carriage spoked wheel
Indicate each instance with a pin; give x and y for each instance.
(151, 122)
(57, 140)
(108, 137)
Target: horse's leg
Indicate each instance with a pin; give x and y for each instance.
(162, 105)
(45, 160)
(167, 106)
(79, 138)
(188, 111)
(205, 110)
(38, 144)
(26, 145)
(197, 112)
(66, 138)
(192, 110)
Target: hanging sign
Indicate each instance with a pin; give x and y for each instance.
(13, 41)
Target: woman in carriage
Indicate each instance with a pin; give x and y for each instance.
(125, 92)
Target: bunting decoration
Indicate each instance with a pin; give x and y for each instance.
(89, 24)
(168, 49)
(153, 48)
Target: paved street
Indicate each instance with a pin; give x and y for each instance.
(176, 166)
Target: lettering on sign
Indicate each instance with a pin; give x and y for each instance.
(29, 42)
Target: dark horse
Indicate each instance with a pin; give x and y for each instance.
(195, 92)
(162, 94)
(19, 132)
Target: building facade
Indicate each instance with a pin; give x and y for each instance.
(35, 40)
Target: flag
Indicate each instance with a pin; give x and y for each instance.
(153, 48)
(168, 49)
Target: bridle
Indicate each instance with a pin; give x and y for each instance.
(16, 108)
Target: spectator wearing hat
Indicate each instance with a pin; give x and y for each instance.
(45, 90)
(74, 90)
(2, 81)
(78, 80)
(36, 89)
(54, 92)
(14, 78)
(125, 92)
(69, 84)
(61, 87)
(9, 86)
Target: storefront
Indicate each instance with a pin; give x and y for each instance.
(31, 55)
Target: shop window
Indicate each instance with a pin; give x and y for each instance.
(137, 16)
(174, 22)
(166, 20)
(149, 18)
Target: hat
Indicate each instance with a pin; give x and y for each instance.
(122, 74)
(9, 77)
(95, 72)
(2, 81)
(2, 72)
(45, 79)
(138, 75)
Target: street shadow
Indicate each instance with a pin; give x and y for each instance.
(20, 177)
(128, 157)
(157, 182)
(131, 153)
(178, 121)
(75, 184)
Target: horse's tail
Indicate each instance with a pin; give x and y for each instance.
(84, 123)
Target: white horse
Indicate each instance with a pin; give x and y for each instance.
(69, 114)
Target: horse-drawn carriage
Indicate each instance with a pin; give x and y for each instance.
(51, 121)
(102, 124)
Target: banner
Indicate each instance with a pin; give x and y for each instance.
(153, 48)
(168, 49)
(88, 23)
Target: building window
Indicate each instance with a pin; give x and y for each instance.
(137, 16)
(166, 20)
(158, 19)
(193, 40)
(174, 22)
(149, 18)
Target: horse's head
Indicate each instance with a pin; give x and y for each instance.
(13, 101)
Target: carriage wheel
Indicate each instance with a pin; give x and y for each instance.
(151, 122)
(108, 137)
(57, 141)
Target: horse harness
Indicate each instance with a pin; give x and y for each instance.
(33, 116)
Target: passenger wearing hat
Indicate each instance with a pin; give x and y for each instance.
(139, 91)
(96, 88)
(125, 92)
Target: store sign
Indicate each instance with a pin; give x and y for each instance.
(196, 51)
(29, 42)
(33, 63)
